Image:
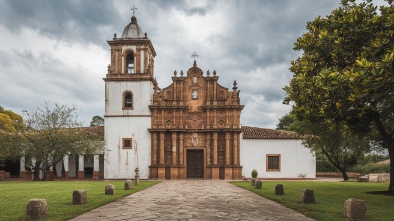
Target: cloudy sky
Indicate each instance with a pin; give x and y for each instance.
(56, 51)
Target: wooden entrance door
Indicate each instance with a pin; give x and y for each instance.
(195, 164)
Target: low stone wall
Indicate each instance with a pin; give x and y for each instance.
(379, 177)
(351, 175)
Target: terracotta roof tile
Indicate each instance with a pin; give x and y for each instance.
(263, 133)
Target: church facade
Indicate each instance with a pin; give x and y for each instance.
(190, 129)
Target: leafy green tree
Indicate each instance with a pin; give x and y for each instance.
(52, 132)
(97, 121)
(11, 124)
(286, 121)
(341, 148)
(345, 75)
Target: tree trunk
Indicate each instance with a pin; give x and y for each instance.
(391, 154)
(344, 175)
(37, 171)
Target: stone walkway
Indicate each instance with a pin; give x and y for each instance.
(193, 200)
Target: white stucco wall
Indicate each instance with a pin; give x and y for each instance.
(120, 163)
(294, 157)
(142, 97)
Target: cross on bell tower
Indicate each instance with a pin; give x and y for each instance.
(133, 9)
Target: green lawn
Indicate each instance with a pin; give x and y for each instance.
(14, 196)
(329, 196)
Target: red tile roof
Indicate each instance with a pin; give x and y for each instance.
(262, 133)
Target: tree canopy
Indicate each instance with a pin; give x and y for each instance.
(11, 124)
(97, 121)
(345, 74)
(52, 132)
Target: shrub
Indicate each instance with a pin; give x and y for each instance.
(371, 168)
(254, 173)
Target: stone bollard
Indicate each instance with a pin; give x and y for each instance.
(36, 209)
(279, 189)
(80, 197)
(307, 196)
(109, 189)
(258, 184)
(127, 185)
(355, 209)
(253, 181)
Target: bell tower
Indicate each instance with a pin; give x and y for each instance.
(129, 87)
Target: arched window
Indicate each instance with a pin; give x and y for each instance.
(130, 63)
(127, 100)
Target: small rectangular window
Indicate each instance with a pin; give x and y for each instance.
(127, 143)
(273, 162)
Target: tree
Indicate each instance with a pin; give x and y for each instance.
(52, 132)
(285, 123)
(11, 124)
(341, 148)
(345, 75)
(97, 121)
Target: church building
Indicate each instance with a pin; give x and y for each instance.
(189, 129)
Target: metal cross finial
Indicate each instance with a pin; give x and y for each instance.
(134, 8)
(194, 55)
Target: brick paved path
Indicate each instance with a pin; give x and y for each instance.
(193, 200)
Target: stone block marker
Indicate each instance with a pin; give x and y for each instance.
(279, 189)
(36, 209)
(80, 197)
(307, 196)
(355, 209)
(127, 185)
(253, 181)
(258, 184)
(109, 189)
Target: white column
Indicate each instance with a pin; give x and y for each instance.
(96, 162)
(81, 163)
(65, 162)
(22, 163)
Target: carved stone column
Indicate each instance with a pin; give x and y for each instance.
(215, 148)
(227, 148)
(174, 158)
(181, 149)
(154, 148)
(235, 149)
(162, 148)
(208, 138)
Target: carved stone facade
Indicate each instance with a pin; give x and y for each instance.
(195, 116)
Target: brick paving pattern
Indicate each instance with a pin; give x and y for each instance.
(193, 200)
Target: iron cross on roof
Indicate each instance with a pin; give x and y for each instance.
(134, 8)
(194, 55)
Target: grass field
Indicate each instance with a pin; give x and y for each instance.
(14, 196)
(329, 196)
